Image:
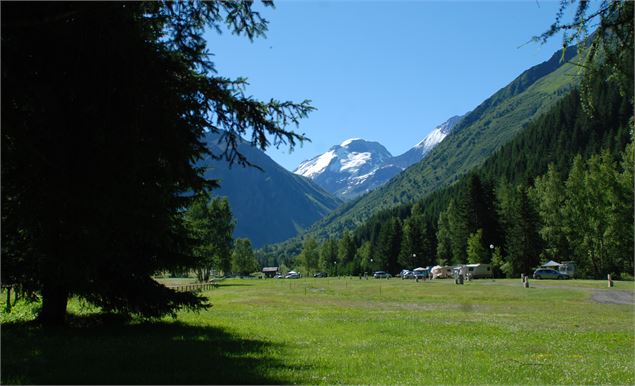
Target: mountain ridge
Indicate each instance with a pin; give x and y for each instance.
(269, 204)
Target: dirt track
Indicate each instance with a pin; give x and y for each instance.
(607, 296)
(614, 297)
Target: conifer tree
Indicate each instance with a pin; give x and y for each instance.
(390, 244)
(548, 196)
(444, 241)
(104, 106)
(458, 231)
(346, 253)
(476, 251)
(413, 243)
(575, 216)
(520, 222)
(621, 221)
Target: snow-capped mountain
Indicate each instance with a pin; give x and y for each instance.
(345, 166)
(356, 166)
(417, 152)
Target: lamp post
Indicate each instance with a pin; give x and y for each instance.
(335, 265)
(491, 247)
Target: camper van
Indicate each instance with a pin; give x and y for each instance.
(477, 271)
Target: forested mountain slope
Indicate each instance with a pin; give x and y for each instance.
(555, 137)
(493, 123)
(269, 205)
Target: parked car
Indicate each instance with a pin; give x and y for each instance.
(406, 274)
(279, 276)
(320, 274)
(292, 275)
(545, 273)
(382, 275)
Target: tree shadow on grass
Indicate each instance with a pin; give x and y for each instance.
(144, 353)
(234, 284)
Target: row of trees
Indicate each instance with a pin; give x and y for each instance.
(391, 245)
(586, 217)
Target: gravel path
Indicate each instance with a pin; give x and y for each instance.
(614, 297)
(607, 296)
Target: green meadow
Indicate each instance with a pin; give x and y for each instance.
(346, 330)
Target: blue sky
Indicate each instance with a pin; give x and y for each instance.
(384, 71)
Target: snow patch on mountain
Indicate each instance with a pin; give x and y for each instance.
(349, 141)
(437, 135)
(316, 165)
(354, 161)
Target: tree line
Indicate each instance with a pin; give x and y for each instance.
(210, 224)
(502, 204)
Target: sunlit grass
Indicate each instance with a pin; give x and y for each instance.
(352, 331)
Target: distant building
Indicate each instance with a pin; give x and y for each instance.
(270, 271)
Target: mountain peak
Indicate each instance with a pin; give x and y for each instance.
(357, 166)
(344, 167)
(349, 141)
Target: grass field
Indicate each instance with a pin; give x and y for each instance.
(344, 331)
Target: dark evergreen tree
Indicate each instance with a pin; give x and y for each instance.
(458, 231)
(390, 244)
(346, 253)
(103, 108)
(412, 242)
(522, 242)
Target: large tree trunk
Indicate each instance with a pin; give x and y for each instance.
(54, 300)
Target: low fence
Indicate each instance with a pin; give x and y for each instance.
(194, 287)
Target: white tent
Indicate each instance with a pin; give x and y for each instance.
(419, 269)
(551, 263)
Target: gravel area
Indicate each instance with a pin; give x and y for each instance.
(614, 297)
